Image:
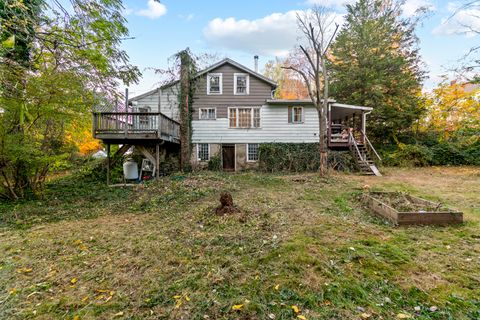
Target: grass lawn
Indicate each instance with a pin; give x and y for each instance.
(159, 252)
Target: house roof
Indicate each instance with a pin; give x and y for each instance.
(292, 101)
(309, 101)
(350, 106)
(143, 95)
(210, 68)
(239, 66)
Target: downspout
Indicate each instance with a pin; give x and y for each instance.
(364, 125)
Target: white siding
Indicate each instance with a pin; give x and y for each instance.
(274, 128)
(150, 101)
(168, 102)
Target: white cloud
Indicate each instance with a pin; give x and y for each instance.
(154, 10)
(274, 35)
(188, 17)
(463, 21)
(410, 7)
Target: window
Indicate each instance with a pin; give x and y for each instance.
(208, 114)
(241, 83)
(203, 151)
(232, 117)
(252, 152)
(214, 83)
(143, 120)
(295, 114)
(244, 117)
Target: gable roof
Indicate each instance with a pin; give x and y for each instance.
(221, 63)
(143, 95)
(210, 68)
(239, 66)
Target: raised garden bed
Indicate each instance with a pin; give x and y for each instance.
(404, 209)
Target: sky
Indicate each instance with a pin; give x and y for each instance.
(241, 29)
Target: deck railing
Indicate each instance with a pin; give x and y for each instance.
(133, 123)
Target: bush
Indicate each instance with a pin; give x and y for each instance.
(409, 155)
(215, 163)
(447, 154)
(300, 157)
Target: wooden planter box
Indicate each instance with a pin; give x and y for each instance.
(429, 216)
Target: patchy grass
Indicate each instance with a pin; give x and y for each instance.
(159, 252)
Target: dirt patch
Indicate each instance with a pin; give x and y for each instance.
(402, 202)
(226, 205)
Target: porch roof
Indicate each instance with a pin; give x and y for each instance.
(340, 111)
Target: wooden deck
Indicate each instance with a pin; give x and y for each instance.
(131, 127)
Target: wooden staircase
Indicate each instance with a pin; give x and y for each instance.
(364, 155)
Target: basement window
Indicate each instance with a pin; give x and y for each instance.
(252, 152)
(203, 150)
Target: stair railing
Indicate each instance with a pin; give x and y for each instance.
(353, 142)
(370, 146)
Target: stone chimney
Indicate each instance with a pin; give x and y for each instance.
(255, 58)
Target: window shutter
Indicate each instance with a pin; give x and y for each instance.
(290, 109)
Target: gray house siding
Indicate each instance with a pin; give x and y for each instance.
(259, 92)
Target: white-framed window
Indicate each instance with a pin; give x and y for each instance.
(143, 120)
(203, 151)
(295, 114)
(241, 84)
(208, 113)
(214, 83)
(244, 117)
(252, 152)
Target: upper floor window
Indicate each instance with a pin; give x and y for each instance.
(208, 114)
(244, 117)
(295, 114)
(214, 83)
(241, 83)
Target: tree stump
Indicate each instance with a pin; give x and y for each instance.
(226, 205)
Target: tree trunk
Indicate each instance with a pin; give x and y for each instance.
(185, 61)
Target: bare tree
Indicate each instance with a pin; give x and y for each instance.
(310, 62)
(466, 16)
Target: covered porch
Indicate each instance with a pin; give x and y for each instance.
(346, 123)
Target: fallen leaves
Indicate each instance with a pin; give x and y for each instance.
(237, 307)
(403, 316)
(295, 309)
(179, 300)
(24, 270)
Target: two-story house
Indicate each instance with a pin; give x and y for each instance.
(235, 112)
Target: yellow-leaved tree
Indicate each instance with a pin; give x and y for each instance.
(453, 108)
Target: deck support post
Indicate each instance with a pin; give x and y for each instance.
(157, 156)
(108, 164)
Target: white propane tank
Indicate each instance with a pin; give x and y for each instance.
(130, 170)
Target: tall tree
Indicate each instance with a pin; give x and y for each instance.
(54, 61)
(375, 63)
(310, 62)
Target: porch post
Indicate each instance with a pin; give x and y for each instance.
(364, 127)
(108, 164)
(157, 158)
(329, 124)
